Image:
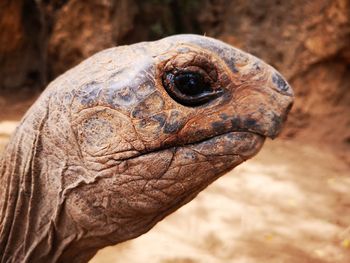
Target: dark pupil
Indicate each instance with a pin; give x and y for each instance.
(191, 84)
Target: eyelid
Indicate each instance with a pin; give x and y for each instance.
(208, 65)
(195, 69)
(194, 60)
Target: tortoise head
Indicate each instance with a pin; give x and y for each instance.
(157, 122)
(142, 129)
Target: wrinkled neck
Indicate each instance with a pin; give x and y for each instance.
(33, 223)
(25, 219)
(20, 197)
(34, 226)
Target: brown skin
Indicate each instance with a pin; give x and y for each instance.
(106, 152)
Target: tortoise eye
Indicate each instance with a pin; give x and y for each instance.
(189, 88)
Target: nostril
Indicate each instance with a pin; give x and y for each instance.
(281, 84)
(289, 107)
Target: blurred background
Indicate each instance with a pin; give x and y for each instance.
(289, 204)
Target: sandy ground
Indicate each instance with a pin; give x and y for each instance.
(291, 203)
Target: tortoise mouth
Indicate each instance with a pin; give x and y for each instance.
(243, 144)
(185, 170)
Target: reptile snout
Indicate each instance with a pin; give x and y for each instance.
(280, 84)
(279, 102)
(273, 101)
(262, 98)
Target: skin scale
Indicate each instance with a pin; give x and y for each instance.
(107, 151)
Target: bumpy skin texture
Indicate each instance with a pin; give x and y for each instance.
(105, 152)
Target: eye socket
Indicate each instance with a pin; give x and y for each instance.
(189, 88)
(191, 84)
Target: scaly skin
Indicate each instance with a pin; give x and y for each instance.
(105, 153)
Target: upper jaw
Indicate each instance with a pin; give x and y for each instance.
(271, 126)
(244, 144)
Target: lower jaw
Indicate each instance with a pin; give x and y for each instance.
(220, 155)
(243, 144)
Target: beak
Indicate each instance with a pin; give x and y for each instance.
(262, 106)
(282, 96)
